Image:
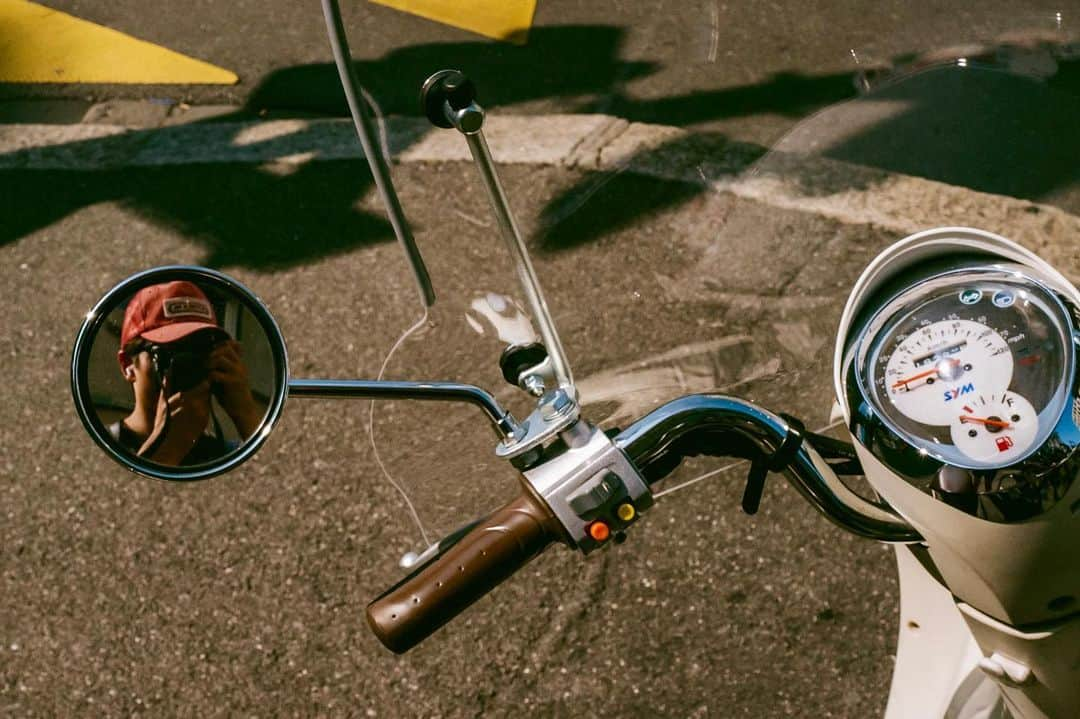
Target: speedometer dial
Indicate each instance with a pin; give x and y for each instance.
(933, 367)
(966, 345)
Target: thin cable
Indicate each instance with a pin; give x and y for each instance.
(339, 46)
(378, 159)
(380, 120)
(695, 480)
(371, 429)
(725, 468)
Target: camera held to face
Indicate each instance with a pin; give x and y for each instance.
(185, 363)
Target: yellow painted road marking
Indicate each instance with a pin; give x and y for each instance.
(500, 19)
(39, 44)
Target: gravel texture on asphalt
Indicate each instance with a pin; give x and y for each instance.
(245, 594)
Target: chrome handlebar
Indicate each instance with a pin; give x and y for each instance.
(709, 424)
(726, 426)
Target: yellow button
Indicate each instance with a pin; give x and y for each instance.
(626, 512)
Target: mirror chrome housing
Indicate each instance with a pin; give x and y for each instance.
(205, 335)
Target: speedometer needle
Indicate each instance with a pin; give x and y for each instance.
(948, 366)
(912, 378)
(1000, 424)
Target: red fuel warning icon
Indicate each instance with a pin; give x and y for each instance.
(1004, 443)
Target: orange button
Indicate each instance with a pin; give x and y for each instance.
(599, 531)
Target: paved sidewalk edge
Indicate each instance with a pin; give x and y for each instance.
(847, 193)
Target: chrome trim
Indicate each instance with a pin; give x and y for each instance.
(555, 411)
(502, 420)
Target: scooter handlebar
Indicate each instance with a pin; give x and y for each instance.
(505, 541)
(438, 591)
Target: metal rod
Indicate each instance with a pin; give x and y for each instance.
(529, 282)
(339, 45)
(502, 420)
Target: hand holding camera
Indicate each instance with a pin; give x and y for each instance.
(179, 422)
(212, 359)
(232, 386)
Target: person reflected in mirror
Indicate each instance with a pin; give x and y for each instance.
(177, 358)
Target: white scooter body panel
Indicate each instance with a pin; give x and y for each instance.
(935, 651)
(1002, 575)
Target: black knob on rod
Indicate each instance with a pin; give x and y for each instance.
(446, 87)
(516, 359)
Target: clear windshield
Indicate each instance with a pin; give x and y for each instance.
(706, 239)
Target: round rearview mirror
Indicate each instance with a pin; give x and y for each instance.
(179, 373)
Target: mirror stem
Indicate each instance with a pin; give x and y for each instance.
(448, 98)
(503, 421)
(520, 254)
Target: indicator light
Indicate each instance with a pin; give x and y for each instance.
(599, 531)
(626, 512)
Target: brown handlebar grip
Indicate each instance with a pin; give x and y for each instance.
(495, 548)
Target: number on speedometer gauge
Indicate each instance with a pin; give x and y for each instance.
(944, 361)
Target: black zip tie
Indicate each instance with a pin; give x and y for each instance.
(790, 446)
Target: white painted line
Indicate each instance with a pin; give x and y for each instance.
(529, 140)
(847, 193)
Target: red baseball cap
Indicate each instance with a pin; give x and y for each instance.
(167, 312)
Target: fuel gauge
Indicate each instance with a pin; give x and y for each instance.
(998, 428)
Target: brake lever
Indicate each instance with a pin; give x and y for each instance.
(760, 465)
(412, 560)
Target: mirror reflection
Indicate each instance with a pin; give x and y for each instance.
(181, 374)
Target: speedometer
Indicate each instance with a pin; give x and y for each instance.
(946, 363)
(940, 362)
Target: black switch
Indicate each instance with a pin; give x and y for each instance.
(600, 491)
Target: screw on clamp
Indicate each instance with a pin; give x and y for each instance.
(517, 361)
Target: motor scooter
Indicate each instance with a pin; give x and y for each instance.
(954, 375)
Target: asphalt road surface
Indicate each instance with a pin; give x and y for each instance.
(747, 70)
(244, 595)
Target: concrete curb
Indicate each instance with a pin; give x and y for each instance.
(549, 140)
(846, 193)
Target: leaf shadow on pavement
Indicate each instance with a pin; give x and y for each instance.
(247, 216)
(241, 215)
(981, 128)
(979, 125)
(985, 129)
(580, 64)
